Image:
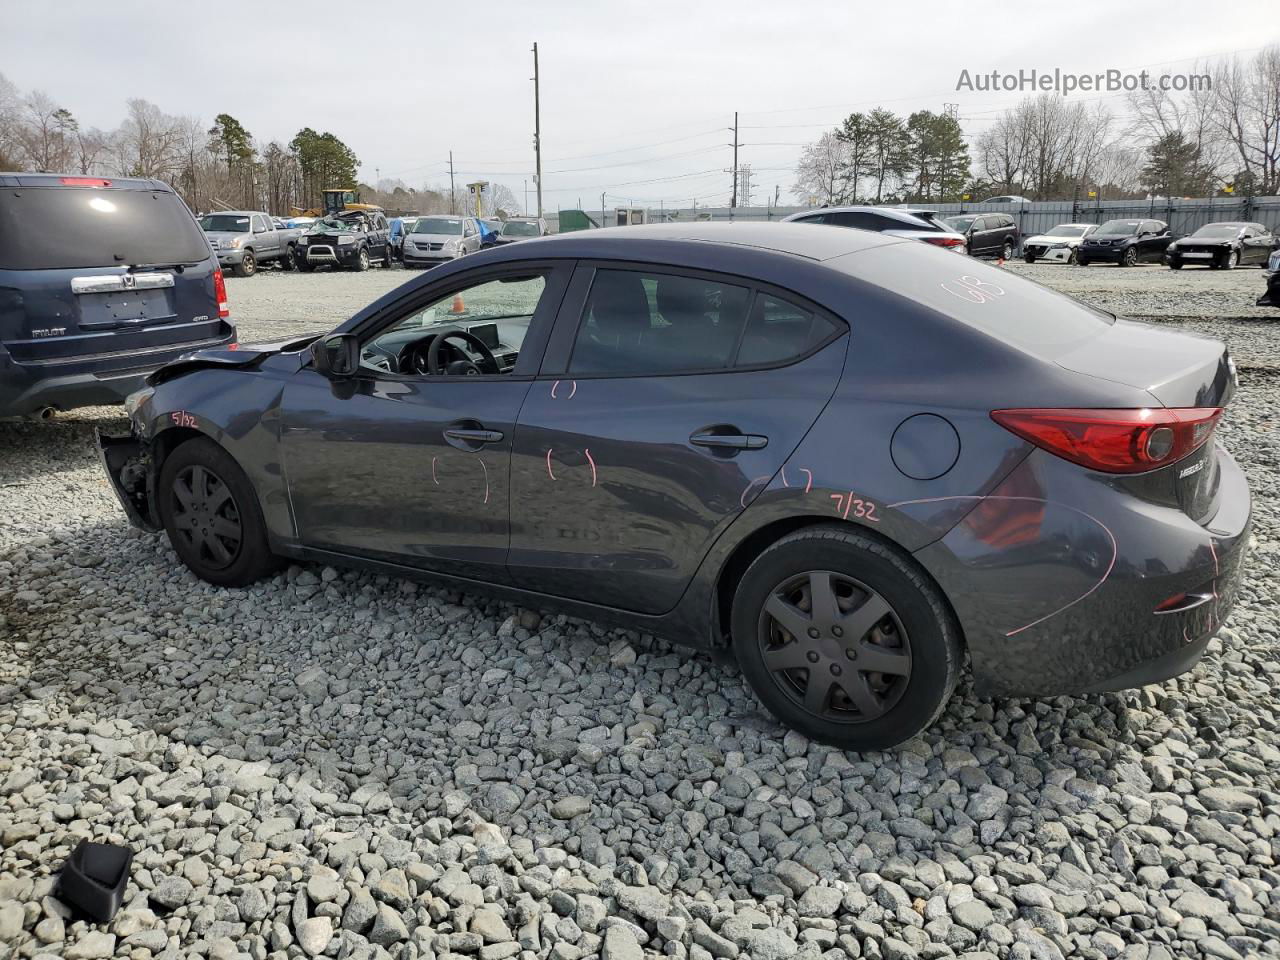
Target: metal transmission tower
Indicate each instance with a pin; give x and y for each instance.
(744, 184)
(951, 110)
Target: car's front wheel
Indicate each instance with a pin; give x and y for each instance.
(1129, 258)
(844, 639)
(290, 259)
(210, 512)
(1072, 259)
(1030, 258)
(1232, 260)
(247, 266)
(362, 260)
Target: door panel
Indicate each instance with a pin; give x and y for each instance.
(613, 503)
(372, 473)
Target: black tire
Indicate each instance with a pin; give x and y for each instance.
(290, 259)
(1006, 252)
(303, 265)
(387, 258)
(916, 638)
(216, 526)
(1175, 264)
(362, 260)
(1129, 258)
(1029, 258)
(1231, 261)
(247, 266)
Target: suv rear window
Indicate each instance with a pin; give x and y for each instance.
(50, 228)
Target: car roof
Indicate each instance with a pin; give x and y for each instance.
(239, 213)
(28, 179)
(808, 241)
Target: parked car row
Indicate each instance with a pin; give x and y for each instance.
(1124, 242)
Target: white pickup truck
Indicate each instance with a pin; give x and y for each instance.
(242, 239)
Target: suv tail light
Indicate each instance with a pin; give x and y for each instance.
(1115, 441)
(943, 240)
(220, 293)
(84, 182)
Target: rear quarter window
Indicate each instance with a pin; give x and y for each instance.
(51, 228)
(1000, 304)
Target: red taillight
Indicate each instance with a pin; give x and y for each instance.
(220, 293)
(1115, 441)
(84, 182)
(943, 240)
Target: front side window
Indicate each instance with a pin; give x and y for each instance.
(497, 312)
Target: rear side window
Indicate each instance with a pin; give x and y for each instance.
(1001, 304)
(49, 228)
(778, 330)
(637, 323)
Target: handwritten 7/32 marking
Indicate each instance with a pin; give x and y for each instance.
(861, 509)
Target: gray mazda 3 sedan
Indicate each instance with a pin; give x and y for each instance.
(849, 458)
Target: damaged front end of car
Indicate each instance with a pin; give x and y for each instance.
(127, 462)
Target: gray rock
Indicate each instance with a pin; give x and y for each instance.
(566, 808)
(620, 944)
(771, 944)
(648, 903)
(94, 945)
(314, 935)
(172, 892)
(388, 927)
(973, 914)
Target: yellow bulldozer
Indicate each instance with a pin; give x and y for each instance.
(335, 201)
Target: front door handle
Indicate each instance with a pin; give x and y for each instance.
(729, 441)
(473, 436)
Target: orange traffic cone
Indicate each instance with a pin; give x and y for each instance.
(458, 305)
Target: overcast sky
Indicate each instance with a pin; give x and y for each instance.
(631, 91)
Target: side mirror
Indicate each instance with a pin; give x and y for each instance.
(337, 355)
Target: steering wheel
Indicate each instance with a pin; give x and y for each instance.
(464, 367)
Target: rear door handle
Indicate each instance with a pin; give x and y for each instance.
(730, 441)
(473, 436)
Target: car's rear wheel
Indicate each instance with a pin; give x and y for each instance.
(1006, 252)
(247, 266)
(1129, 258)
(387, 258)
(210, 512)
(845, 639)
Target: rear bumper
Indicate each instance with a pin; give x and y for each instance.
(26, 388)
(1055, 599)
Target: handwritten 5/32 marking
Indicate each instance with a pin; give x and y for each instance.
(847, 503)
(181, 418)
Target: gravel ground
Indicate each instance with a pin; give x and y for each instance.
(333, 763)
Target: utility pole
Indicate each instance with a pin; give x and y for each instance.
(733, 201)
(526, 197)
(537, 130)
(453, 208)
(602, 223)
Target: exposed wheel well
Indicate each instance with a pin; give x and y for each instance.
(167, 441)
(756, 543)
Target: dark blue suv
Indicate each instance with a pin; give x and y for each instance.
(101, 282)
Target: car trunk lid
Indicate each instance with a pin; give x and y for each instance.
(1179, 371)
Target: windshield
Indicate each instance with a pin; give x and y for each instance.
(519, 228)
(959, 223)
(447, 226)
(1068, 230)
(224, 223)
(1218, 230)
(334, 224)
(50, 228)
(1118, 228)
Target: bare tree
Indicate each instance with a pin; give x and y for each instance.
(149, 142)
(1246, 97)
(821, 174)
